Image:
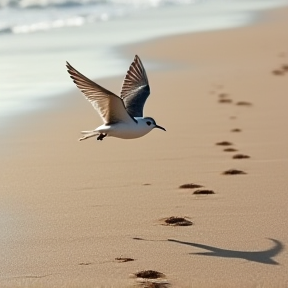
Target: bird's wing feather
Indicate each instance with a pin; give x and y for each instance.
(135, 88)
(109, 106)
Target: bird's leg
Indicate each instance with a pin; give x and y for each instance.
(101, 136)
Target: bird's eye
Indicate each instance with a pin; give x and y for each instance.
(148, 123)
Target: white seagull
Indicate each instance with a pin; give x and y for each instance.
(122, 116)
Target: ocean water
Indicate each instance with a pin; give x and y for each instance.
(38, 36)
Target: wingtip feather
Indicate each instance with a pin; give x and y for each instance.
(68, 64)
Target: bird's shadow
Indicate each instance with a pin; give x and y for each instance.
(264, 257)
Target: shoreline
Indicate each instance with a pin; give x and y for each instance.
(69, 208)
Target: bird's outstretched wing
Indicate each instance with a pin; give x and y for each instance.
(135, 88)
(109, 106)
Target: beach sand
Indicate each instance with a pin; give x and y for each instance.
(69, 208)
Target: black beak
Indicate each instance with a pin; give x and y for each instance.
(157, 126)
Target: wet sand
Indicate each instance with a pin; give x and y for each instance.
(72, 211)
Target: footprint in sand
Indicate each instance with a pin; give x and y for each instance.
(124, 259)
(190, 186)
(278, 72)
(240, 156)
(230, 150)
(225, 100)
(203, 192)
(243, 103)
(176, 221)
(149, 274)
(224, 143)
(233, 172)
(236, 130)
(151, 279)
(138, 238)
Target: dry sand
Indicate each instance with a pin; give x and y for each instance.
(69, 208)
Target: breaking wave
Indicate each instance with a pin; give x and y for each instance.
(26, 16)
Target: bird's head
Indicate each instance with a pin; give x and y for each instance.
(150, 122)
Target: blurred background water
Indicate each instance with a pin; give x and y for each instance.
(38, 36)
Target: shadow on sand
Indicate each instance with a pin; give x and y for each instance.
(264, 257)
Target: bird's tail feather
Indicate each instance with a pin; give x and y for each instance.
(88, 134)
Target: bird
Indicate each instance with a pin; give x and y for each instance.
(122, 116)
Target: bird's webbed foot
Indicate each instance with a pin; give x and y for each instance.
(101, 136)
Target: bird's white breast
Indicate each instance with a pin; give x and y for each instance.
(126, 130)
